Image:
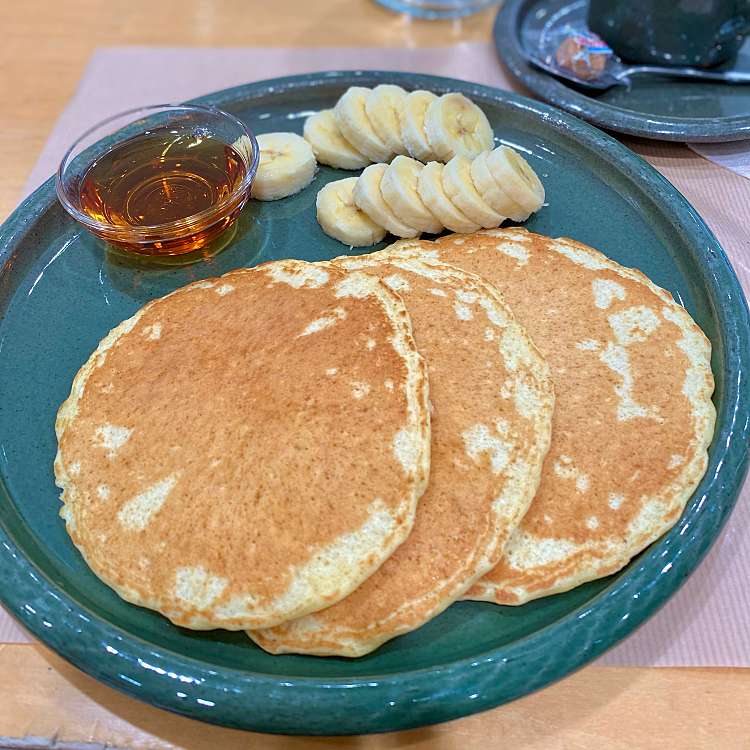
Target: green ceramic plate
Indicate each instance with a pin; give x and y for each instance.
(653, 107)
(59, 295)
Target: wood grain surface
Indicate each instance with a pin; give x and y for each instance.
(604, 707)
(44, 702)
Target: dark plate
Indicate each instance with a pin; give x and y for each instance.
(59, 295)
(652, 107)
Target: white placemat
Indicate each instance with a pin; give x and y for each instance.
(708, 622)
(734, 156)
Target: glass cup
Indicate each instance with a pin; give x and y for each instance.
(134, 179)
(436, 9)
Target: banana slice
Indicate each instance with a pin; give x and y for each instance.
(399, 190)
(354, 124)
(455, 125)
(340, 218)
(462, 192)
(328, 145)
(383, 107)
(517, 179)
(368, 197)
(492, 192)
(412, 125)
(287, 165)
(433, 194)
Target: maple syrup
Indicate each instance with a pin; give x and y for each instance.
(170, 192)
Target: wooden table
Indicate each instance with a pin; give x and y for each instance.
(45, 47)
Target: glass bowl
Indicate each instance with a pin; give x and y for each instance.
(159, 180)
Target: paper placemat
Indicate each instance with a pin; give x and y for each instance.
(734, 155)
(707, 622)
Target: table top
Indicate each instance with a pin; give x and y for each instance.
(46, 47)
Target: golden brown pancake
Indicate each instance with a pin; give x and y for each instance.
(633, 413)
(492, 404)
(231, 456)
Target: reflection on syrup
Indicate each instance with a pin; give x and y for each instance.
(160, 177)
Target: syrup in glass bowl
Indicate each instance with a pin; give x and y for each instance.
(167, 184)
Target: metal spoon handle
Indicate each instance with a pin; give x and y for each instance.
(729, 76)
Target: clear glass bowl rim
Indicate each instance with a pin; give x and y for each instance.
(171, 229)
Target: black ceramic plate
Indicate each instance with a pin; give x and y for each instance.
(652, 107)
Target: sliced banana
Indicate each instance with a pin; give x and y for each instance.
(492, 192)
(383, 107)
(340, 217)
(433, 194)
(368, 197)
(399, 190)
(328, 145)
(455, 125)
(412, 125)
(462, 192)
(287, 165)
(517, 179)
(354, 124)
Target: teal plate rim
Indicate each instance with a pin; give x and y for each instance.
(388, 702)
(603, 114)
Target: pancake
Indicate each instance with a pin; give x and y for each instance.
(492, 404)
(231, 457)
(633, 413)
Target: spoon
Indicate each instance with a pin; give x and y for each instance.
(617, 74)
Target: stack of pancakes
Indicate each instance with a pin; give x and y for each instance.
(328, 455)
